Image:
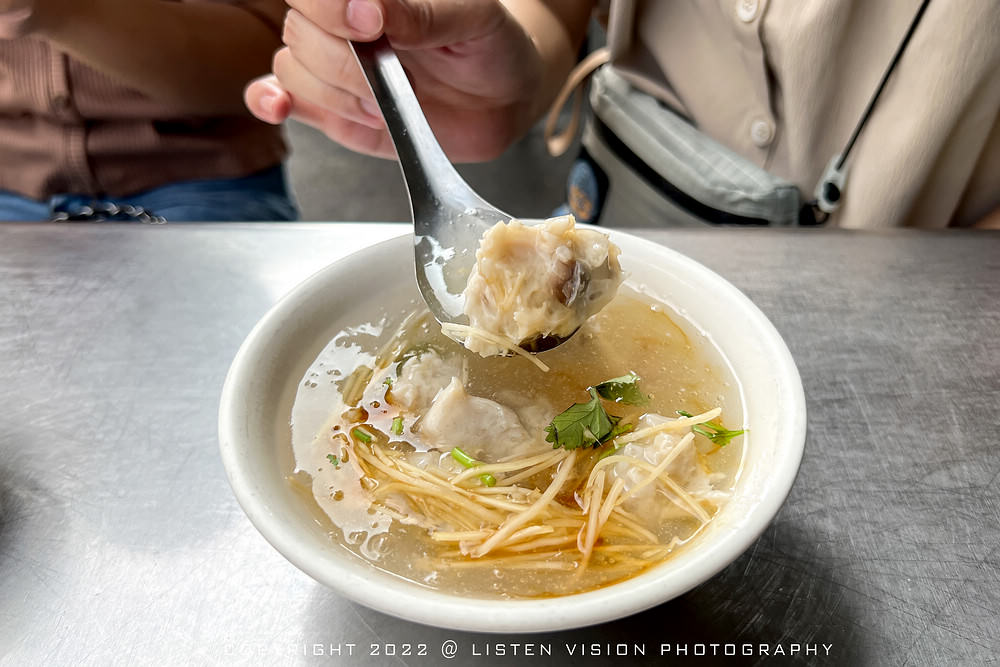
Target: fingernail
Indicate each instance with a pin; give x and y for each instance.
(370, 107)
(266, 103)
(364, 16)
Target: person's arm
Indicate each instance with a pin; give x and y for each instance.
(990, 220)
(194, 57)
(484, 70)
(556, 28)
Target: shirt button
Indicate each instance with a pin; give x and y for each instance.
(746, 10)
(60, 103)
(761, 133)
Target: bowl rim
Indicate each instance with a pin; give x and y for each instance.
(408, 601)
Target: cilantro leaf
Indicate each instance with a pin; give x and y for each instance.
(581, 425)
(618, 430)
(333, 459)
(624, 389)
(615, 432)
(717, 433)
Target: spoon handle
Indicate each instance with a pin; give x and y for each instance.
(431, 179)
(449, 218)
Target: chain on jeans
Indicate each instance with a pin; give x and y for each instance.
(109, 212)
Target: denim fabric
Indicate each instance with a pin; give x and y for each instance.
(260, 197)
(17, 208)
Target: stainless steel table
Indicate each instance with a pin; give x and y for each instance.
(120, 542)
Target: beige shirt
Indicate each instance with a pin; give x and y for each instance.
(68, 128)
(783, 83)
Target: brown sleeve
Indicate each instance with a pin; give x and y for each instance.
(270, 12)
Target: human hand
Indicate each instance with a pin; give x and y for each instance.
(15, 18)
(474, 68)
(20, 18)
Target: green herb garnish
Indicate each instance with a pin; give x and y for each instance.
(414, 352)
(581, 425)
(624, 389)
(589, 424)
(362, 435)
(717, 433)
(333, 459)
(387, 382)
(397, 426)
(618, 430)
(469, 462)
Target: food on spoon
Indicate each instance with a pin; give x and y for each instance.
(535, 281)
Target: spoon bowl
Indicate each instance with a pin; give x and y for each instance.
(449, 217)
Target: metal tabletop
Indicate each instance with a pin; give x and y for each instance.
(121, 543)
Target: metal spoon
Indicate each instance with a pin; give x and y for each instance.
(449, 218)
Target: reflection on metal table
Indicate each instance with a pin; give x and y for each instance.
(120, 541)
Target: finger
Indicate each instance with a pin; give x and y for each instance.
(267, 100)
(353, 136)
(327, 57)
(303, 85)
(408, 23)
(360, 20)
(427, 24)
(359, 138)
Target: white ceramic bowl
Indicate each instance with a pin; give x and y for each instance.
(261, 385)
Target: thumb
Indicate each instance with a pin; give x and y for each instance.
(426, 24)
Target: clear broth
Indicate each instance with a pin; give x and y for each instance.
(679, 367)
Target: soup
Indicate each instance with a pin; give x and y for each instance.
(519, 477)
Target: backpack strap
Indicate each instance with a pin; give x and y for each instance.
(558, 141)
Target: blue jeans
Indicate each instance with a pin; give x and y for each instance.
(260, 196)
